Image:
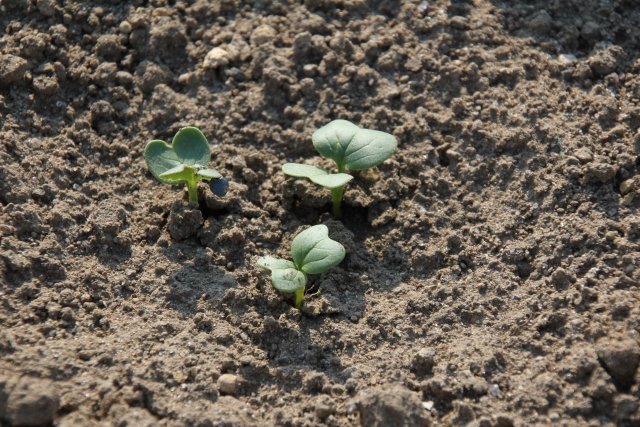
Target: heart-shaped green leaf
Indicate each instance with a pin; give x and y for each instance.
(352, 147)
(314, 252)
(189, 148)
(284, 274)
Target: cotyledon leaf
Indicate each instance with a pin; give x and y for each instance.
(352, 147)
(207, 173)
(332, 140)
(271, 263)
(314, 252)
(288, 279)
(332, 181)
(190, 148)
(369, 148)
(302, 171)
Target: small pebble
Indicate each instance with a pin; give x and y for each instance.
(227, 383)
(495, 390)
(34, 143)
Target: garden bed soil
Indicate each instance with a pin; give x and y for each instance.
(491, 275)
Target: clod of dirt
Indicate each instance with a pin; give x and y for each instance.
(217, 57)
(12, 69)
(263, 34)
(464, 412)
(227, 383)
(325, 406)
(599, 172)
(620, 356)
(423, 360)
(46, 7)
(149, 75)
(584, 155)
(33, 402)
(606, 61)
(341, 234)
(625, 405)
(108, 220)
(136, 417)
(109, 47)
(314, 382)
(590, 30)
(184, 221)
(391, 406)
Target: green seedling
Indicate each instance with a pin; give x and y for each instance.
(185, 161)
(350, 147)
(313, 252)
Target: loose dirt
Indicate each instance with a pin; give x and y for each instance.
(491, 276)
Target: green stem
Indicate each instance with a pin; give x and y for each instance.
(336, 197)
(193, 190)
(299, 297)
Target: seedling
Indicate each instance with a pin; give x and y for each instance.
(350, 147)
(313, 252)
(185, 161)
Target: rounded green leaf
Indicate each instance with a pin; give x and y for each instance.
(314, 252)
(161, 158)
(271, 263)
(352, 147)
(189, 148)
(332, 140)
(369, 148)
(302, 171)
(288, 279)
(332, 181)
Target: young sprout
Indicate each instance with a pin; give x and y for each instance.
(185, 161)
(350, 147)
(313, 252)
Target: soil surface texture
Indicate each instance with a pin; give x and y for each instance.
(492, 268)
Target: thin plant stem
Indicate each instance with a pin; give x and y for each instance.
(299, 298)
(193, 190)
(336, 197)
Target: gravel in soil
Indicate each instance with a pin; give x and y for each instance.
(491, 275)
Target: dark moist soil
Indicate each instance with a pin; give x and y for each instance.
(491, 275)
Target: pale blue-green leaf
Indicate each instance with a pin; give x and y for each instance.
(271, 263)
(288, 280)
(314, 252)
(207, 173)
(191, 147)
(369, 148)
(302, 171)
(332, 139)
(352, 147)
(160, 158)
(332, 181)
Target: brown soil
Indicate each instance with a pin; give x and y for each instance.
(491, 276)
